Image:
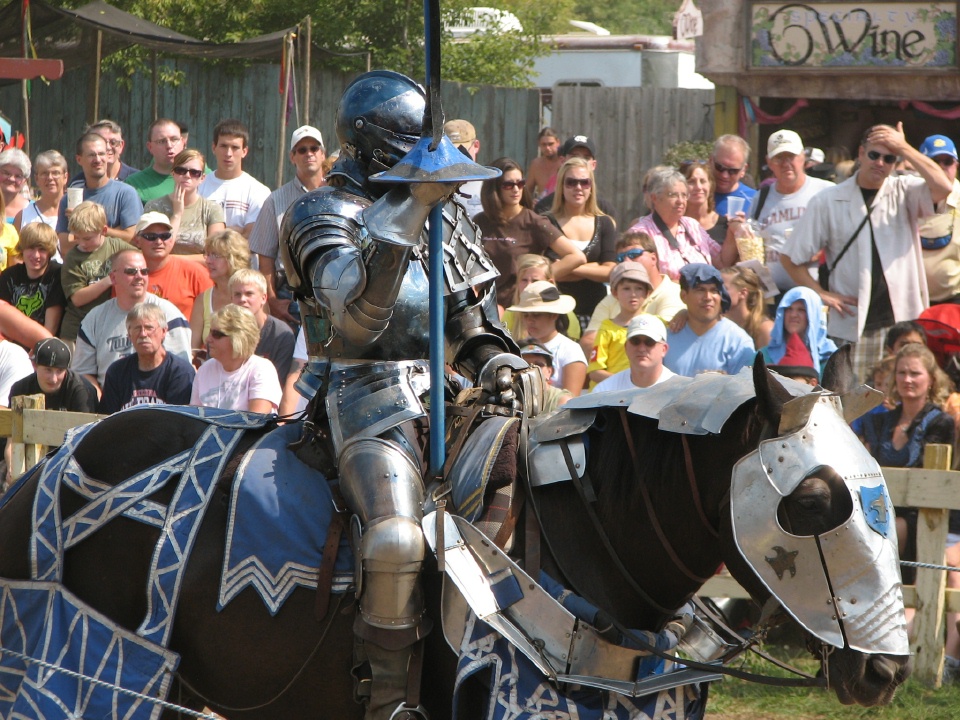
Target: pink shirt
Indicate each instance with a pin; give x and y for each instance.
(694, 245)
(256, 379)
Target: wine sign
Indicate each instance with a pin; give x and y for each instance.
(870, 35)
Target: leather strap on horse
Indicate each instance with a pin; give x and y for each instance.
(329, 559)
(692, 479)
(602, 534)
(648, 503)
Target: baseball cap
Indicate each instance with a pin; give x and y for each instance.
(695, 274)
(628, 270)
(543, 296)
(784, 141)
(152, 218)
(648, 326)
(578, 141)
(814, 155)
(460, 132)
(939, 145)
(52, 352)
(305, 131)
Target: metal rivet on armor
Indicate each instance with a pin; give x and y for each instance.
(683, 422)
(783, 445)
(833, 617)
(853, 601)
(530, 586)
(780, 459)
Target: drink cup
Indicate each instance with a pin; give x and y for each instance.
(74, 197)
(735, 205)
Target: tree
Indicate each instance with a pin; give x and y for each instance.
(629, 17)
(390, 31)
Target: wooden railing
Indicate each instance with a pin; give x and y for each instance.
(935, 491)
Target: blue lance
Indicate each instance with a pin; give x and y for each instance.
(435, 159)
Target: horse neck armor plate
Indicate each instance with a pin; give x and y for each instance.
(844, 585)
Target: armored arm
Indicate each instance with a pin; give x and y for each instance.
(349, 256)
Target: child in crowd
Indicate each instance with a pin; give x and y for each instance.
(664, 299)
(33, 286)
(537, 355)
(630, 285)
(86, 268)
(545, 317)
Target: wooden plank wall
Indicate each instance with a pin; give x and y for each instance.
(506, 119)
(632, 127)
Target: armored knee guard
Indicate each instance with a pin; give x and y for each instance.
(382, 485)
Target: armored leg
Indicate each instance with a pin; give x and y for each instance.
(382, 484)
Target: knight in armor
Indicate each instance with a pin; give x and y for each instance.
(356, 254)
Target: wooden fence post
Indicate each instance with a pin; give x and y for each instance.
(23, 456)
(928, 623)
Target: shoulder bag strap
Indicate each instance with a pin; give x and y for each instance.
(761, 201)
(853, 237)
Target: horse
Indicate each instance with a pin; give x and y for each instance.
(245, 663)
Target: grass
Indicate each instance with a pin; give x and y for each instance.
(739, 700)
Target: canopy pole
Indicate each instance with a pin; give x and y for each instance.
(26, 115)
(286, 67)
(154, 92)
(306, 72)
(96, 78)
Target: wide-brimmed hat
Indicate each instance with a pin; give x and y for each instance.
(543, 296)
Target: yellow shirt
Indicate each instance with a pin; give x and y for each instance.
(8, 243)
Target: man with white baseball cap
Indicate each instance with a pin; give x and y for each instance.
(307, 155)
(463, 134)
(646, 347)
(777, 207)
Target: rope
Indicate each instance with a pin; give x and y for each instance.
(928, 566)
(103, 683)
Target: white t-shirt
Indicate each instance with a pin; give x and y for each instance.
(256, 379)
(618, 382)
(14, 365)
(778, 214)
(241, 197)
(565, 351)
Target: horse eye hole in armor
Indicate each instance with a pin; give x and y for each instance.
(820, 503)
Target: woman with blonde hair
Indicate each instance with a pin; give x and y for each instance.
(224, 253)
(747, 303)
(234, 378)
(531, 268)
(576, 214)
(193, 216)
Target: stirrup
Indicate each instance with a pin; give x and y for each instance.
(403, 712)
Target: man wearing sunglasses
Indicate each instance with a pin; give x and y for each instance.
(873, 257)
(940, 234)
(728, 164)
(103, 337)
(178, 280)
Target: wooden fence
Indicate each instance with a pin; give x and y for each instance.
(935, 491)
(632, 128)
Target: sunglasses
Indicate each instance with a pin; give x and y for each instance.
(887, 159)
(519, 184)
(153, 237)
(132, 272)
(304, 149)
(687, 164)
(218, 334)
(945, 161)
(192, 172)
(724, 170)
(638, 340)
(629, 254)
(577, 182)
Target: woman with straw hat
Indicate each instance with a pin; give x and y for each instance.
(545, 319)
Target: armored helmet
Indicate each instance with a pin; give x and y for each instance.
(379, 118)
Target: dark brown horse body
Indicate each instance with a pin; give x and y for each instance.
(245, 663)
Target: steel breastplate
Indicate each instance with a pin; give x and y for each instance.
(855, 567)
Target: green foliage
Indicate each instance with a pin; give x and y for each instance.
(629, 17)
(676, 154)
(389, 31)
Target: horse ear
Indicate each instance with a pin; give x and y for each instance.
(838, 374)
(771, 395)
